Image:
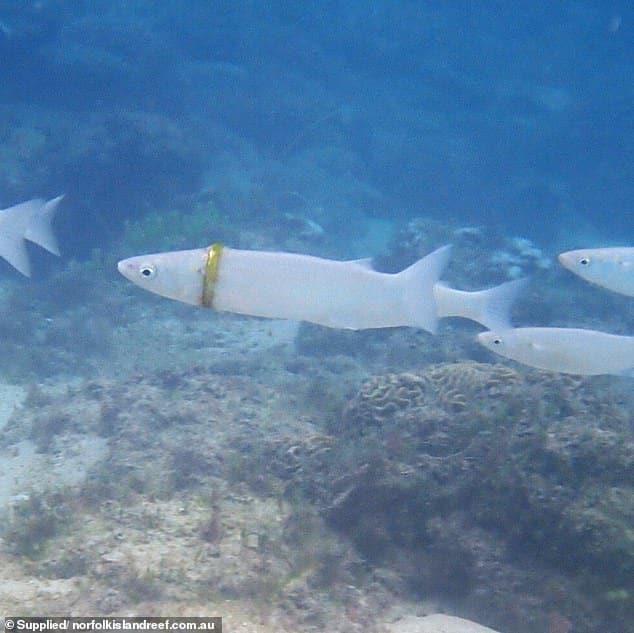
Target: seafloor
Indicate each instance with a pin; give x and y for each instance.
(158, 459)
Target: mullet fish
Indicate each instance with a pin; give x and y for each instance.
(611, 268)
(337, 294)
(565, 350)
(30, 221)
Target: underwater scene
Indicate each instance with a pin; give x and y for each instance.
(318, 316)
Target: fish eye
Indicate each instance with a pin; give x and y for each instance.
(147, 271)
(584, 261)
(497, 341)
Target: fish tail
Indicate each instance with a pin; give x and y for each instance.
(13, 225)
(419, 280)
(39, 230)
(494, 304)
(14, 252)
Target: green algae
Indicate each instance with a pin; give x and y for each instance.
(34, 520)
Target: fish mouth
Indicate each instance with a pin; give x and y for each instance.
(565, 259)
(484, 337)
(125, 268)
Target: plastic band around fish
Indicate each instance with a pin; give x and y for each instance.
(214, 252)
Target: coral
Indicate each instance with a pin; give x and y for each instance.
(449, 386)
(289, 455)
(446, 480)
(527, 463)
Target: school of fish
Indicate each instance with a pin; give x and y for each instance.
(353, 295)
(574, 350)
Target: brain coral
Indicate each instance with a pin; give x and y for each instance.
(449, 387)
(532, 463)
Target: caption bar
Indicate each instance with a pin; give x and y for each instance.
(49, 625)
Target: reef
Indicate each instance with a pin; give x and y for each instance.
(178, 507)
(450, 387)
(504, 495)
(493, 486)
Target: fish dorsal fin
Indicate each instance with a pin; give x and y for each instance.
(39, 230)
(365, 262)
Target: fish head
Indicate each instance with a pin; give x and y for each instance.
(579, 261)
(176, 275)
(494, 341)
(513, 343)
(611, 268)
(552, 349)
(596, 265)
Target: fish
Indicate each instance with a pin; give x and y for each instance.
(489, 307)
(30, 220)
(332, 293)
(610, 268)
(438, 623)
(564, 350)
(40, 229)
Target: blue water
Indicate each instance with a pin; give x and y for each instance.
(513, 115)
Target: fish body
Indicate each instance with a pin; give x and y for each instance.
(30, 221)
(565, 350)
(611, 268)
(332, 293)
(338, 294)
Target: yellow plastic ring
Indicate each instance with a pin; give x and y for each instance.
(214, 252)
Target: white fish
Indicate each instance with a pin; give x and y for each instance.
(31, 221)
(337, 294)
(14, 222)
(489, 307)
(40, 230)
(611, 268)
(566, 350)
(437, 623)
